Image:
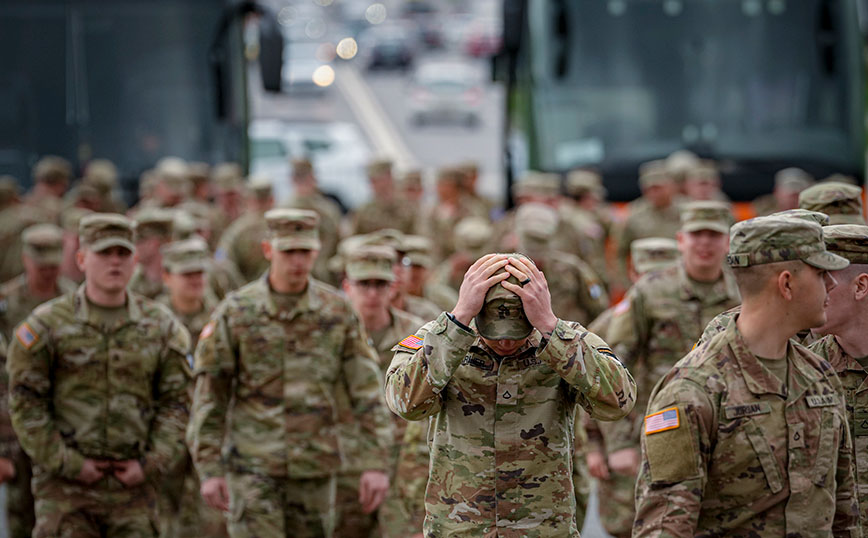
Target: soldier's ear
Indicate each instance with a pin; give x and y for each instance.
(79, 259)
(861, 285)
(266, 250)
(785, 284)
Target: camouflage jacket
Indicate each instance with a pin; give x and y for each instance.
(755, 456)
(654, 326)
(380, 214)
(195, 322)
(80, 389)
(853, 379)
(241, 244)
(420, 307)
(16, 302)
(277, 390)
(577, 293)
(140, 284)
(644, 220)
(502, 438)
(9, 447)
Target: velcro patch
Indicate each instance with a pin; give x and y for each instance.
(26, 335)
(609, 353)
(662, 421)
(411, 342)
(822, 400)
(207, 330)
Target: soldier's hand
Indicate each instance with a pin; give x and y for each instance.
(625, 461)
(535, 297)
(216, 493)
(475, 285)
(7, 470)
(92, 470)
(597, 465)
(373, 486)
(129, 472)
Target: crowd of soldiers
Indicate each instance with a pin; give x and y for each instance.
(214, 362)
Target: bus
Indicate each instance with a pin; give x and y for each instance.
(128, 80)
(756, 85)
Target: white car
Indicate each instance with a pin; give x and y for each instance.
(446, 91)
(339, 153)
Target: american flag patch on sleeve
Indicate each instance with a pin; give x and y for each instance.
(662, 421)
(26, 335)
(411, 342)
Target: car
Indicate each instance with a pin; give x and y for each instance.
(303, 58)
(389, 46)
(338, 150)
(446, 91)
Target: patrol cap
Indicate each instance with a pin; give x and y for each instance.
(706, 215)
(502, 316)
(472, 234)
(52, 169)
(260, 187)
(371, 262)
(102, 174)
(581, 182)
(228, 176)
(805, 214)
(450, 174)
(302, 167)
(536, 223)
(840, 178)
(680, 162)
(43, 243)
(153, 222)
(417, 251)
(71, 218)
(538, 183)
(291, 229)
(653, 173)
(198, 173)
(842, 202)
(173, 172)
(411, 178)
(187, 256)
(848, 241)
(793, 179)
(705, 169)
(9, 189)
(778, 239)
(379, 167)
(99, 231)
(653, 253)
(386, 236)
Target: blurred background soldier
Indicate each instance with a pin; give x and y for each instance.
(702, 182)
(842, 202)
(583, 208)
(469, 184)
(414, 272)
(153, 231)
(102, 175)
(789, 182)
(228, 198)
(677, 165)
(472, 238)
(51, 177)
(199, 175)
(241, 243)
(173, 184)
(19, 499)
(443, 214)
(14, 218)
(68, 267)
(385, 210)
(412, 189)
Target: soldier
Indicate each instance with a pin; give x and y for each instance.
(663, 315)
(51, 176)
(616, 511)
(98, 382)
(502, 403)
(283, 377)
(469, 189)
(842, 202)
(677, 165)
(306, 195)
(173, 184)
(102, 175)
(702, 182)
(69, 222)
(385, 210)
(789, 183)
(241, 243)
(757, 420)
(199, 175)
(411, 188)
(472, 236)
(153, 231)
(228, 198)
(440, 218)
(844, 342)
(14, 218)
(19, 499)
(583, 208)
(414, 273)
(369, 277)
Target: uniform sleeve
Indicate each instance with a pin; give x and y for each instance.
(606, 389)
(623, 237)
(592, 294)
(8, 441)
(364, 383)
(669, 490)
(214, 368)
(166, 439)
(29, 366)
(581, 474)
(421, 370)
(846, 521)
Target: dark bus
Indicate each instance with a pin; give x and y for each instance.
(758, 85)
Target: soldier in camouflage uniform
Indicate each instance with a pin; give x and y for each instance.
(369, 276)
(98, 395)
(502, 398)
(414, 271)
(69, 222)
(469, 188)
(472, 237)
(51, 177)
(14, 218)
(789, 182)
(440, 218)
(756, 420)
(228, 199)
(19, 499)
(662, 316)
(241, 243)
(842, 202)
(153, 232)
(583, 208)
(385, 210)
(284, 377)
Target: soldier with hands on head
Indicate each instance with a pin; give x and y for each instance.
(756, 420)
(98, 394)
(284, 376)
(500, 378)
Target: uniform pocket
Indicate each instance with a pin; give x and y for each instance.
(765, 456)
(826, 447)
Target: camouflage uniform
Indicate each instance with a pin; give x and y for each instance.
(842, 202)
(275, 422)
(411, 475)
(151, 223)
(439, 219)
(502, 430)
(241, 244)
(415, 250)
(13, 220)
(381, 214)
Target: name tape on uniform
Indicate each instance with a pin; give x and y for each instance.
(411, 342)
(668, 419)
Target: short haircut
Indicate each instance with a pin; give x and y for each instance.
(753, 280)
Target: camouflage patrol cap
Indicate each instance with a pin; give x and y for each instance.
(43, 243)
(805, 214)
(535, 223)
(416, 250)
(502, 316)
(653, 173)
(71, 218)
(653, 253)
(705, 169)
(386, 236)
(260, 187)
(153, 222)
(99, 231)
(842, 202)
(778, 239)
(840, 178)
(371, 262)
(411, 177)
(472, 234)
(679, 163)
(228, 176)
(793, 179)
(848, 241)
(580, 182)
(52, 169)
(451, 174)
(293, 229)
(9, 189)
(174, 173)
(102, 174)
(301, 167)
(706, 215)
(187, 256)
(379, 167)
(198, 173)
(538, 183)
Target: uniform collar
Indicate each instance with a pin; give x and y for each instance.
(724, 288)
(308, 302)
(82, 309)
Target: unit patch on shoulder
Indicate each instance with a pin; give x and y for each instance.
(207, 330)
(411, 342)
(26, 335)
(662, 421)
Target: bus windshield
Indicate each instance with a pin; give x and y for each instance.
(630, 80)
(126, 80)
